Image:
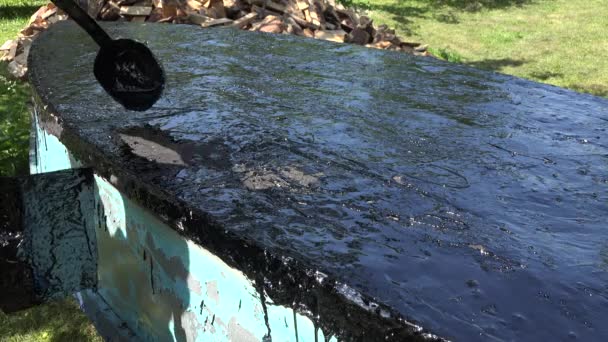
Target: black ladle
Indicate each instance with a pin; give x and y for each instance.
(126, 69)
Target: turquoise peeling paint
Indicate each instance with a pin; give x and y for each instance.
(179, 290)
(49, 153)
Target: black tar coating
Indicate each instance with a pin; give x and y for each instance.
(470, 201)
(128, 71)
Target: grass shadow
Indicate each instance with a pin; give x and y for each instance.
(545, 75)
(443, 11)
(18, 11)
(593, 89)
(478, 5)
(496, 64)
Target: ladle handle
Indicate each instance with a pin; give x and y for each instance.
(85, 21)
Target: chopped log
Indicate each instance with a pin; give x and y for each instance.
(135, 10)
(110, 12)
(49, 12)
(303, 22)
(169, 10)
(8, 45)
(365, 23)
(316, 13)
(268, 4)
(244, 21)
(308, 33)
(271, 24)
(17, 70)
(11, 50)
(358, 36)
(302, 5)
(92, 7)
(156, 15)
(320, 19)
(292, 26)
(36, 14)
(216, 9)
(334, 36)
(195, 5)
(198, 19)
(217, 22)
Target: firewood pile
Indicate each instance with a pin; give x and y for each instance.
(320, 19)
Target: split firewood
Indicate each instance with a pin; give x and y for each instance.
(319, 19)
(271, 24)
(244, 21)
(198, 19)
(217, 22)
(216, 9)
(135, 10)
(195, 5)
(292, 26)
(268, 4)
(358, 36)
(9, 48)
(308, 33)
(17, 70)
(334, 36)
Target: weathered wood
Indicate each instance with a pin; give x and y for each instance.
(244, 21)
(217, 22)
(135, 10)
(334, 36)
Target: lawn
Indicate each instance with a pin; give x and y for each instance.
(560, 42)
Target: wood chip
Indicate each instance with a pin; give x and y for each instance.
(135, 10)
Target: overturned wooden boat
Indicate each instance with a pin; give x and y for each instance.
(291, 189)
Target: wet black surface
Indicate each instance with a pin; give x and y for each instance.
(472, 202)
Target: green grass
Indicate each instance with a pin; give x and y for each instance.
(14, 118)
(560, 42)
(57, 321)
(14, 125)
(14, 14)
